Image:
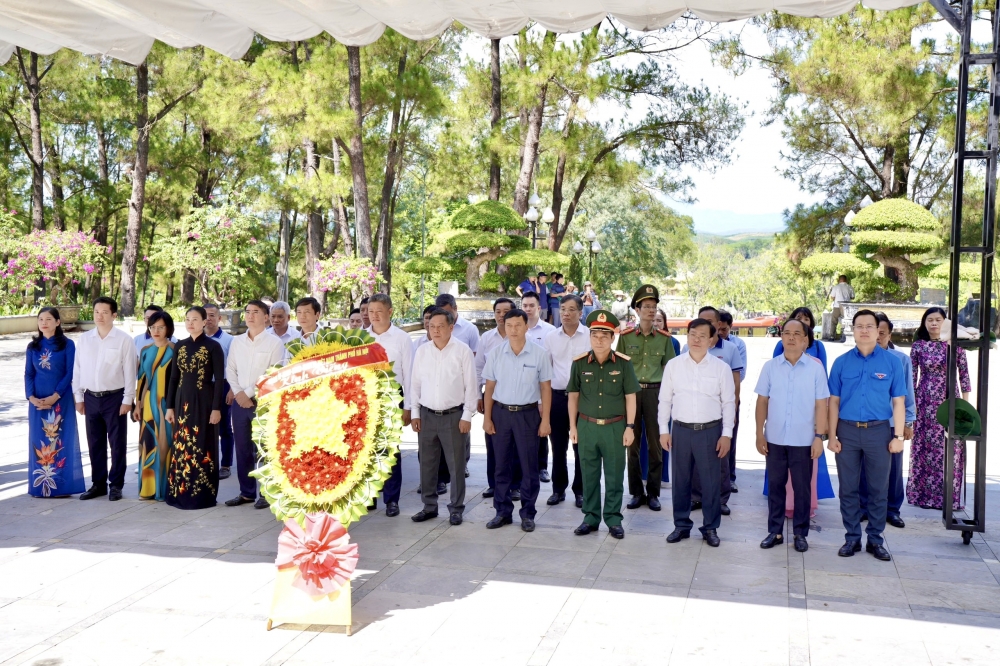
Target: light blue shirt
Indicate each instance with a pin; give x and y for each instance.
(518, 375)
(741, 347)
(225, 340)
(911, 403)
(792, 392)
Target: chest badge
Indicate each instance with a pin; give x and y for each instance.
(880, 375)
(615, 372)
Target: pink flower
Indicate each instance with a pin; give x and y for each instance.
(89, 268)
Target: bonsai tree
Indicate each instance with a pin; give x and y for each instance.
(484, 237)
(889, 232)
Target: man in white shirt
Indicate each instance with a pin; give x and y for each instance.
(398, 347)
(725, 327)
(699, 394)
(104, 372)
(281, 315)
(224, 339)
(250, 355)
(493, 338)
(307, 314)
(841, 293)
(363, 310)
(564, 344)
(537, 330)
(443, 393)
(143, 339)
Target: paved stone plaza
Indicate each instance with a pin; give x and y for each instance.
(136, 582)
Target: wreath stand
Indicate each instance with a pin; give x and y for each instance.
(291, 605)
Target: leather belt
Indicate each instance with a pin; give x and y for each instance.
(559, 391)
(865, 424)
(516, 408)
(698, 426)
(443, 412)
(101, 394)
(653, 385)
(607, 421)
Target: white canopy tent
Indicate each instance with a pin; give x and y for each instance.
(125, 29)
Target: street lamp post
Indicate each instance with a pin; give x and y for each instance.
(592, 248)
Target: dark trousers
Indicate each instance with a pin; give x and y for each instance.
(780, 461)
(868, 448)
(491, 467)
(725, 485)
(516, 432)
(646, 407)
(439, 437)
(559, 419)
(393, 486)
(543, 451)
(226, 434)
(246, 450)
(695, 450)
(105, 426)
(577, 473)
(897, 488)
(732, 445)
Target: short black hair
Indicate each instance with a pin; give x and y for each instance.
(260, 304)
(311, 302)
(448, 314)
(354, 311)
(725, 317)
(196, 308)
(708, 308)
(864, 313)
(107, 300)
(502, 300)
(695, 323)
(211, 306)
(448, 300)
(542, 275)
(572, 298)
(882, 317)
(530, 294)
(427, 310)
(806, 329)
(807, 312)
(167, 320)
(153, 307)
(515, 314)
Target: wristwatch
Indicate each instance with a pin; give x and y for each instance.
(630, 426)
(899, 437)
(822, 437)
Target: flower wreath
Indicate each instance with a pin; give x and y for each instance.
(328, 426)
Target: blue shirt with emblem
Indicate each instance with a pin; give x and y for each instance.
(518, 375)
(866, 385)
(792, 392)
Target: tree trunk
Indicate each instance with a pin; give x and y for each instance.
(33, 83)
(907, 271)
(284, 245)
(495, 111)
(130, 255)
(555, 239)
(392, 159)
(202, 197)
(315, 225)
(356, 153)
(58, 195)
(533, 134)
(104, 214)
(340, 210)
(886, 175)
(901, 167)
(472, 269)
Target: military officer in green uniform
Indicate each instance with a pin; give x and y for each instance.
(601, 391)
(650, 349)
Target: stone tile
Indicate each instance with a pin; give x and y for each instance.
(936, 594)
(434, 581)
(855, 588)
(635, 569)
(946, 570)
(725, 577)
(457, 553)
(545, 561)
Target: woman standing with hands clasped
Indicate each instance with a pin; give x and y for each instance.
(54, 465)
(156, 434)
(194, 399)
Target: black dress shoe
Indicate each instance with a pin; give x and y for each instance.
(94, 492)
(725, 510)
(618, 532)
(455, 519)
(677, 535)
(712, 538)
(515, 496)
(654, 504)
(261, 503)
(442, 488)
(878, 551)
(801, 545)
(499, 521)
(895, 521)
(528, 525)
(543, 476)
(772, 540)
(695, 506)
(391, 509)
(239, 499)
(733, 488)
(466, 473)
(374, 505)
(488, 493)
(555, 499)
(849, 548)
(583, 529)
(114, 494)
(422, 515)
(579, 501)
(224, 473)
(636, 502)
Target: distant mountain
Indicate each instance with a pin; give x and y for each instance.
(708, 237)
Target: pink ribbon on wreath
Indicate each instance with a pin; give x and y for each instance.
(321, 552)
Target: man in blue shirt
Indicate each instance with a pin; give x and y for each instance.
(556, 291)
(518, 377)
(867, 416)
(725, 327)
(728, 353)
(543, 296)
(792, 412)
(897, 488)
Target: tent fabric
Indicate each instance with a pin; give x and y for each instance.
(125, 29)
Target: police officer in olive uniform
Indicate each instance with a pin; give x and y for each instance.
(650, 349)
(602, 394)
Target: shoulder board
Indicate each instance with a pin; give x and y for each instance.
(583, 355)
(629, 330)
(620, 355)
(662, 332)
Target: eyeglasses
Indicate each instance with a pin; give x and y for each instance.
(158, 329)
